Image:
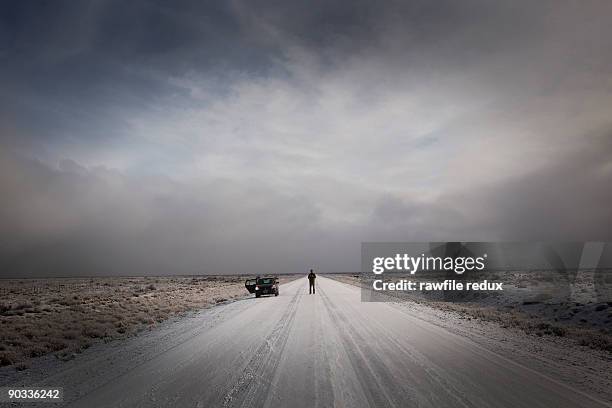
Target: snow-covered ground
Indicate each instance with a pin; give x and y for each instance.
(327, 349)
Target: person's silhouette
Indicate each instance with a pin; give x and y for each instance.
(311, 281)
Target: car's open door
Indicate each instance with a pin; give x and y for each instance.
(250, 285)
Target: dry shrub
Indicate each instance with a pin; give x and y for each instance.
(596, 341)
(93, 332)
(116, 307)
(7, 358)
(4, 307)
(71, 335)
(22, 305)
(22, 366)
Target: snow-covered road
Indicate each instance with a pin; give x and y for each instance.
(323, 350)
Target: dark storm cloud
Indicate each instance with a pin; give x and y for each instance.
(239, 136)
(74, 65)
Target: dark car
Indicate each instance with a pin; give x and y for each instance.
(262, 286)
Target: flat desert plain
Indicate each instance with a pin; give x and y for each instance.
(66, 316)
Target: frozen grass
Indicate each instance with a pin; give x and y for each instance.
(65, 316)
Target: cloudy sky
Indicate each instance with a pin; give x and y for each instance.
(154, 137)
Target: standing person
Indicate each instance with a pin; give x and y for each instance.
(311, 281)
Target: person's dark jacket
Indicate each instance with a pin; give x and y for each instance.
(312, 276)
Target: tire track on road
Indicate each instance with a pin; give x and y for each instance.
(139, 357)
(429, 371)
(358, 351)
(251, 388)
